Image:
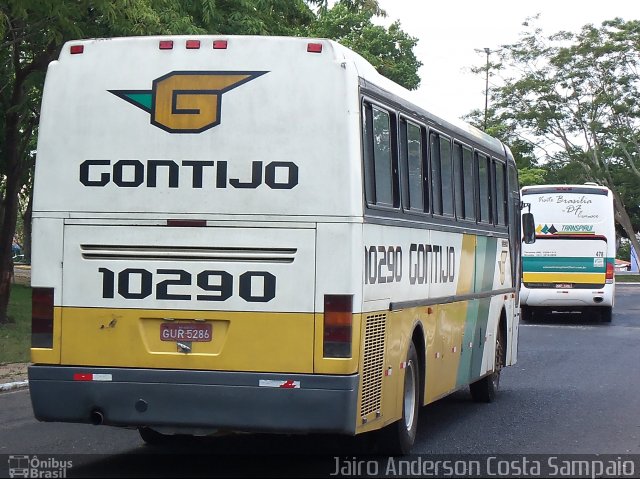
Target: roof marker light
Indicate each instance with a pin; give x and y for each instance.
(193, 44)
(75, 49)
(314, 47)
(166, 44)
(219, 44)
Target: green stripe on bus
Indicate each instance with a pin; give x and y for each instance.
(468, 338)
(563, 264)
(486, 265)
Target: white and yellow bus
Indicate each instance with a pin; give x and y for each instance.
(262, 234)
(571, 265)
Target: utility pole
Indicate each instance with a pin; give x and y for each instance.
(486, 90)
(488, 52)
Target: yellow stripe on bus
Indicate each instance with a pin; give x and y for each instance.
(588, 278)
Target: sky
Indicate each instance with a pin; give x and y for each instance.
(450, 31)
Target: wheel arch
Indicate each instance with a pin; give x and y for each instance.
(418, 339)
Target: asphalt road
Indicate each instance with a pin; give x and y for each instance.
(575, 390)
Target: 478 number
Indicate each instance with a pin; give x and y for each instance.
(138, 283)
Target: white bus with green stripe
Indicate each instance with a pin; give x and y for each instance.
(570, 267)
(262, 234)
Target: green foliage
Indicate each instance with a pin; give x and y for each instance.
(15, 336)
(532, 176)
(624, 251)
(390, 50)
(577, 96)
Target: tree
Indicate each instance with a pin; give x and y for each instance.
(32, 33)
(578, 92)
(389, 50)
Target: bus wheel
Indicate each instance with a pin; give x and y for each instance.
(397, 439)
(152, 437)
(606, 314)
(486, 388)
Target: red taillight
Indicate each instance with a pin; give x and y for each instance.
(76, 49)
(314, 47)
(610, 271)
(193, 44)
(338, 326)
(166, 44)
(42, 318)
(219, 44)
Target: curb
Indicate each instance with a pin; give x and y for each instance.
(14, 386)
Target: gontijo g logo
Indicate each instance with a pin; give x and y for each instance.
(186, 101)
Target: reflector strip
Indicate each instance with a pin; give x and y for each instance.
(92, 377)
(388, 372)
(274, 383)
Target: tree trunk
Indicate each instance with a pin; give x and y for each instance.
(12, 157)
(623, 220)
(6, 238)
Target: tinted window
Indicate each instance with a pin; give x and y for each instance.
(434, 158)
(484, 188)
(469, 184)
(446, 174)
(458, 179)
(411, 151)
(500, 194)
(383, 172)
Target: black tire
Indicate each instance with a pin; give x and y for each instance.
(397, 439)
(153, 437)
(606, 314)
(485, 389)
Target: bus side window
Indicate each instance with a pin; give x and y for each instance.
(411, 156)
(446, 173)
(464, 182)
(468, 178)
(484, 190)
(436, 180)
(381, 172)
(501, 216)
(458, 178)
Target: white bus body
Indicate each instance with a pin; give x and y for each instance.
(571, 264)
(208, 255)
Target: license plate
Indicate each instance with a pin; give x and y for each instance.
(564, 286)
(196, 332)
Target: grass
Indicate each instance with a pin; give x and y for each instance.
(628, 278)
(15, 337)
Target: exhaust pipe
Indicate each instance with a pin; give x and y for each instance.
(598, 299)
(96, 417)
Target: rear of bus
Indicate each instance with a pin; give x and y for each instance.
(570, 267)
(196, 236)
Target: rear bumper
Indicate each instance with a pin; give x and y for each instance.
(233, 401)
(547, 297)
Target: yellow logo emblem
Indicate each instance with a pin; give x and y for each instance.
(186, 102)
